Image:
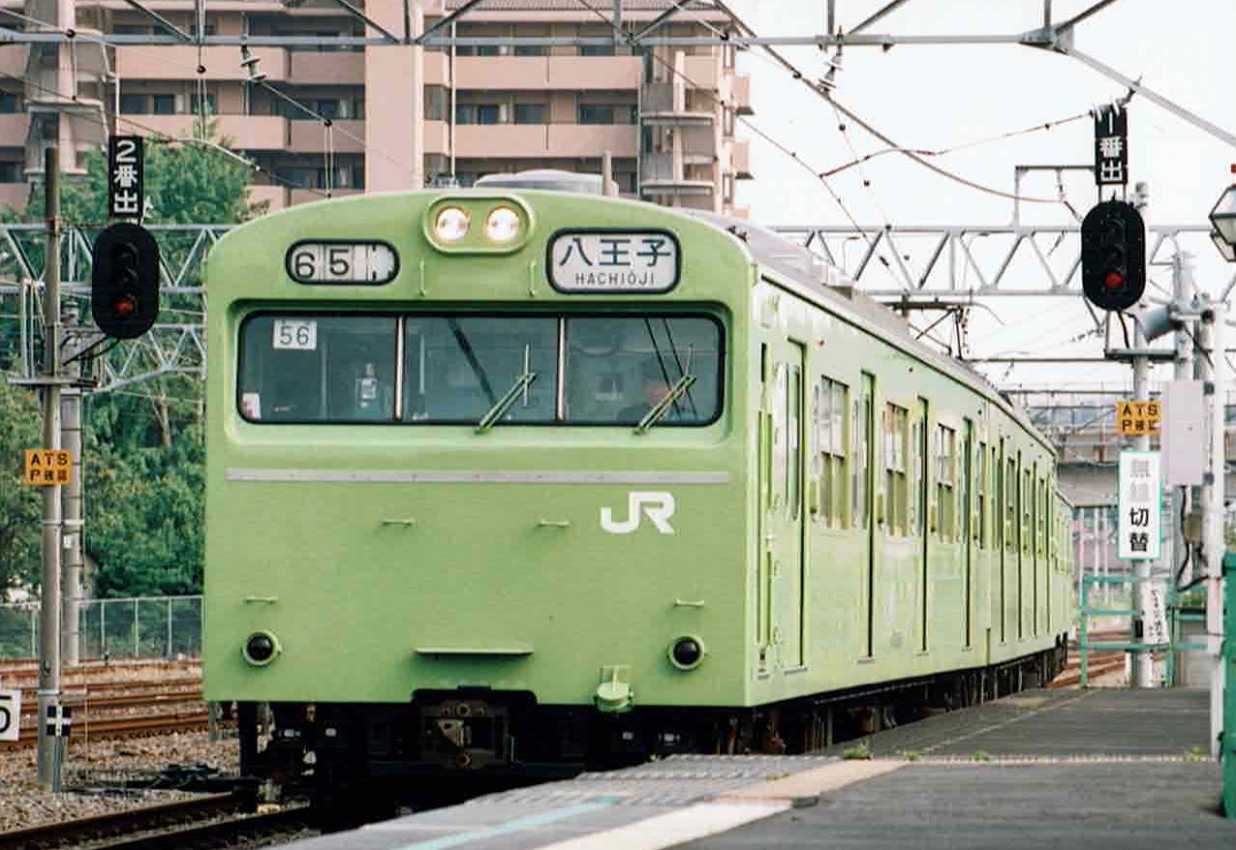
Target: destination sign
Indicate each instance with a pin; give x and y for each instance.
(342, 262)
(632, 261)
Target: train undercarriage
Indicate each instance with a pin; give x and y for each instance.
(357, 760)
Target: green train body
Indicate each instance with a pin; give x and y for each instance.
(828, 509)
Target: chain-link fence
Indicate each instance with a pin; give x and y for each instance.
(139, 627)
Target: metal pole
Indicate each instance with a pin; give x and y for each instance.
(1182, 370)
(71, 429)
(1142, 669)
(1211, 340)
(49, 595)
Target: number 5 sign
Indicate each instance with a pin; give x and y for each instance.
(10, 715)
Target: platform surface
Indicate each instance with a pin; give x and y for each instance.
(1101, 768)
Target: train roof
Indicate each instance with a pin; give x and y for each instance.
(791, 260)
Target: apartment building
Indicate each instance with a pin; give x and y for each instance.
(666, 115)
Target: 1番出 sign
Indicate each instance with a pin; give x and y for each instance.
(1138, 418)
(636, 261)
(48, 467)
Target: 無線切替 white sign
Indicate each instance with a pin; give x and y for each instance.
(1140, 505)
(614, 261)
(342, 262)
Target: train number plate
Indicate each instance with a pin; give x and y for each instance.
(635, 261)
(341, 262)
(296, 334)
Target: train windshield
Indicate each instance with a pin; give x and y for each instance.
(482, 370)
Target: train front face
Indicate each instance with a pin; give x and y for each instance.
(476, 494)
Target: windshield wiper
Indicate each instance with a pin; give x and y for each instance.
(677, 391)
(491, 417)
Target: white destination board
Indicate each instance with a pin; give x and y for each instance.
(338, 262)
(10, 715)
(296, 334)
(614, 261)
(1140, 505)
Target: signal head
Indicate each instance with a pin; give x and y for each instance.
(1113, 256)
(124, 282)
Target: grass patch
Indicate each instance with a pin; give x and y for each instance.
(910, 755)
(980, 755)
(860, 751)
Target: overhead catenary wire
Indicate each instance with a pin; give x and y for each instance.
(783, 148)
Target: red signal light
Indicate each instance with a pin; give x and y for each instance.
(1114, 280)
(125, 306)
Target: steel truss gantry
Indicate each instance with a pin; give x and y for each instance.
(174, 346)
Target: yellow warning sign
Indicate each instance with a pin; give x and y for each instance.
(45, 467)
(1138, 418)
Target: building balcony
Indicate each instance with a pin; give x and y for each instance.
(339, 68)
(437, 137)
(14, 195)
(664, 104)
(742, 95)
(539, 141)
(437, 68)
(541, 73)
(740, 160)
(13, 129)
(664, 174)
(702, 71)
(276, 197)
(242, 132)
(305, 196)
(13, 59)
(310, 137)
(177, 62)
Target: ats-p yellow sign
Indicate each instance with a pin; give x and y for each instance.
(45, 467)
(1138, 418)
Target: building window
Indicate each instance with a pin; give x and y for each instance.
(131, 29)
(596, 113)
(435, 103)
(596, 50)
(488, 113)
(466, 178)
(10, 102)
(133, 104)
(210, 29)
(530, 50)
(727, 121)
(11, 172)
(727, 188)
(163, 104)
(327, 108)
(195, 104)
(529, 113)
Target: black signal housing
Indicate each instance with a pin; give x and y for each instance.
(1113, 255)
(124, 283)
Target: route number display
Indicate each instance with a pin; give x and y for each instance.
(335, 262)
(296, 334)
(10, 715)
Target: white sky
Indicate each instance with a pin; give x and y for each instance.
(940, 96)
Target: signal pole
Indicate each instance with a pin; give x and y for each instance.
(49, 595)
(71, 428)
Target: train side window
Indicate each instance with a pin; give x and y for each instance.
(1027, 507)
(895, 421)
(794, 448)
(980, 494)
(946, 458)
(860, 464)
(302, 368)
(829, 415)
(1010, 504)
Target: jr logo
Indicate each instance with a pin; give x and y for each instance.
(657, 506)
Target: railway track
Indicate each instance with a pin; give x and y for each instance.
(124, 727)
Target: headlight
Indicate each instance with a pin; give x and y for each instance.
(451, 225)
(687, 652)
(502, 225)
(261, 648)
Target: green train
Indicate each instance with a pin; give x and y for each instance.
(514, 482)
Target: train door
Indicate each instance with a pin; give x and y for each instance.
(967, 544)
(782, 564)
(862, 494)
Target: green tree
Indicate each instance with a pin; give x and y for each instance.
(19, 504)
(145, 449)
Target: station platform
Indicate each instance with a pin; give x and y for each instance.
(1098, 768)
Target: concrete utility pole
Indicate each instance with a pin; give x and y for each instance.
(1211, 333)
(49, 595)
(1142, 670)
(74, 513)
